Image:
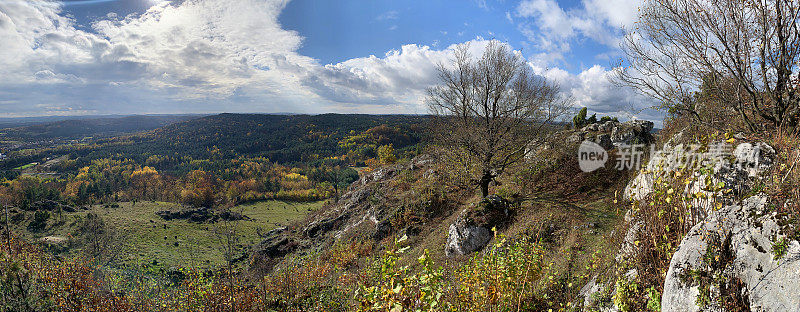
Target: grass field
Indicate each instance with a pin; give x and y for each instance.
(23, 167)
(145, 239)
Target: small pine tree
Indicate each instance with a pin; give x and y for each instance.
(580, 119)
(591, 120)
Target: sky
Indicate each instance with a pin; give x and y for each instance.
(95, 57)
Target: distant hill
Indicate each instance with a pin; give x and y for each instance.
(281, 138)
(79, 128)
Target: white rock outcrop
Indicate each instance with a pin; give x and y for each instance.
(746, 232)
(746, 162)
(472, 229)
(464, 238)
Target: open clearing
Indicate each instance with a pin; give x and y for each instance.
(145, 239)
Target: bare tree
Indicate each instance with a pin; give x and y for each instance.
(488, 110)
(744, 51)
(101, 240)
(228, 235)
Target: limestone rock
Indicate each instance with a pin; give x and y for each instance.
(472, 230)
(749, 162)
(464, 238)
(632, 132)
(734, 244)
(604, 140)
(275, 244)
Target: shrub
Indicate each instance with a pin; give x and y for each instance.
(398, 288)
(39, 221)
(502, 279)
(386, 154)
(580, 119)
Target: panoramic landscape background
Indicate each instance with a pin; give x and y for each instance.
(476, 155)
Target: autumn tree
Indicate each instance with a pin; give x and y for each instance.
(199, 189)
(743, 53)
(386, 154)
(489, 109)
(338, 177)
(99, 238)
(145, 183)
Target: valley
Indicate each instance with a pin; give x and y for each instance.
(399, 156)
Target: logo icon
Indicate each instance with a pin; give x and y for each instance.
(591, 156)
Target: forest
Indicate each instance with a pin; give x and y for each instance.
(520, 188)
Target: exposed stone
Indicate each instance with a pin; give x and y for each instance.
(604, 140)
(464, 238)
(589, 292)
(746, 233)
(54, 240)
(576, 138)
(632, 132)
(472, 230)
(275, 244)
(749, 162)
(754, 158)
(318, 227)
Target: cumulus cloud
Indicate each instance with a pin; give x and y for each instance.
(219, 55)
(552, 28)
(593, 88)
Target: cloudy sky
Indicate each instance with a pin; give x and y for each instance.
(303, 56)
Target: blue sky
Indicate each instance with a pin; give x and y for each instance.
(307, 56)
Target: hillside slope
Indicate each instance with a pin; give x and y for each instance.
(92, 127)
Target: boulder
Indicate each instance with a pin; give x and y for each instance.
(754, 159)
(464, 237)
(749, 162)
(632, 132)
(276, 243)
(576, 138)
(730, 254)
(472, 230)
(604, 140)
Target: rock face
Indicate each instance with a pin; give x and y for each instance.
(748, 161)
(632, 132)
(612, 134)
(472, 230)
(609, 134)
(730, 254)
(275, 244)
(361, 208)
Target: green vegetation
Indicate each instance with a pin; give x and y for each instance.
(579, 120)
(780, 247)
(144, 238)
(23, 167)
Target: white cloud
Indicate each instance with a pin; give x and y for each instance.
(617, 13)
(552, 29)
(219, 55)
(593, 88)
(390, 15)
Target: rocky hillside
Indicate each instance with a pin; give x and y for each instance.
(701, 227)
(737, 253)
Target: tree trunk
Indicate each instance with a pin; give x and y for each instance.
(484, 183)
